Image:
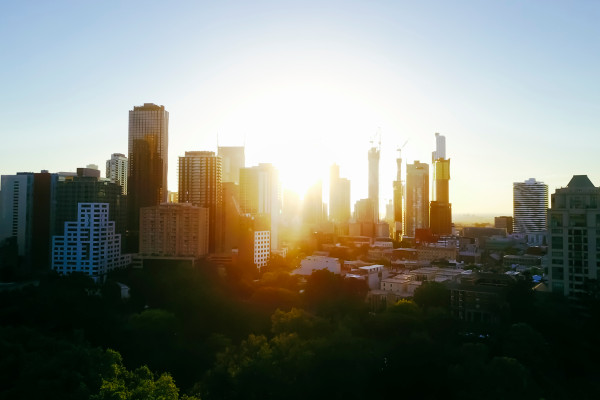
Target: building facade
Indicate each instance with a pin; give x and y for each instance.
(574, 236)
(117, 170)
(417, 198)
(174, 230)
(148, 161)
(339, 196)
(233, 159)
(260, 195)
(89, 245)
(374, 181)
(200, 184)
(530, 205)
(27, 206)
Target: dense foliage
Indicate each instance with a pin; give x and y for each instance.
(195, 332)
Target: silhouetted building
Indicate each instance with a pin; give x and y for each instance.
(530, 205)
(174, 230)
(148, 161)
(573, 248)
(26, 211)
(417, 198)
(313, 213)
(504, 222)
(70, 191)
(339, 196)
(480, 297)
(116, 170)
(260, 194)
(231, 217)
(200, 185)
(233, 159)
(374, 181)
(440, 217)
(89, 245)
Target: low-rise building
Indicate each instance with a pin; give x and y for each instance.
(313, 263)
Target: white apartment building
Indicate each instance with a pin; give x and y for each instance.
(116, 170)
(90, 244)
(262, 248)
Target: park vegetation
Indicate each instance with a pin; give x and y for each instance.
(205, 333)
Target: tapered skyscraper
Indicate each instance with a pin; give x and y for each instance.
(148, 160)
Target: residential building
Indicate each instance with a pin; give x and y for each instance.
(200, 185)
(505, 222)
(574, 245)
(117, 170)
(314, 263)
(174, 230)
(89, 245)
(530, 205)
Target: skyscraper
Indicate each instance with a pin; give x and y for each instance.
(148, 161)
(313, 210)
(530, 205)
(116, 170)
(417, 197)
(200, 185)
(374, 180)
(260, 194)
(440, 216)
(339, 196)
(573, 251)
(398, 198)
(233, 159)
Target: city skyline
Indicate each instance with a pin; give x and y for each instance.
(512, 87)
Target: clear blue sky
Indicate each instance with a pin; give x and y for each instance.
(513, 85)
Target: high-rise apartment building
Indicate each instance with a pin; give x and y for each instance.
(260, 194)
(148, 161)
(116, 170)
(440, 216)
(374, 180)
(233, 159)
(417, 198)
(89, 244)
(339, 196)
(174, 230)
(574, 236)
(200, 185)
(530, 205)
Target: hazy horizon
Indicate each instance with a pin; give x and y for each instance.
(511, 85)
